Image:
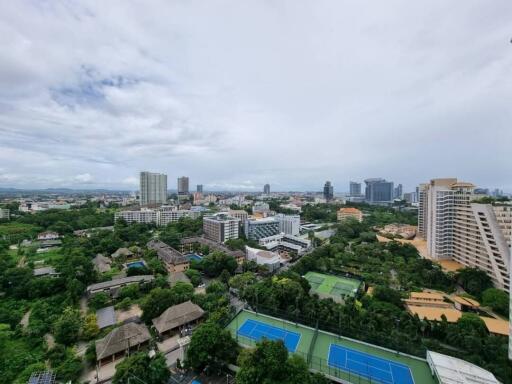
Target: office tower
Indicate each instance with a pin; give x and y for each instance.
(328, 191)
(288, 224)
(355, 189)
(398, 191)
(256, 229)
(378, 191)
(456, 227)
(199, 188)
(183, 185)
(221, 227)
(153, 188)
(266, 189)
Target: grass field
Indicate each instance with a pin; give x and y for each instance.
(320, 350)
(332, 286)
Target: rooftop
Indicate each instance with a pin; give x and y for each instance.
(120, 339)
(177, 315)
(450, 370)
(431, 313)
(121, 281)
(466, 301)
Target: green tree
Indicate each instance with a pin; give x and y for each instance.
(214, 263)
(269, 363)
(67, 327)
(100, 300)
(497, 299)
(159, 299)
(139, 367)
(474, 281)
(90, 327)
(211, 347)
(194, 275)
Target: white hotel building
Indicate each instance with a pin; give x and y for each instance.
(456, 227)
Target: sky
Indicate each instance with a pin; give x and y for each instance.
(236, 94)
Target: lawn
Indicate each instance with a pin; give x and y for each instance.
(51, 257)
(323, 342)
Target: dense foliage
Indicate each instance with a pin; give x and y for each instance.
(140, 368)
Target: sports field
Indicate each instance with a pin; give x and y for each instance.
(336, 356)
(332, 286)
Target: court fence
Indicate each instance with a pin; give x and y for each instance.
(319, 364)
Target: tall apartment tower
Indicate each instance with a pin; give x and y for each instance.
(153, 188)
(328, 191)
(355, 189)
(266, 189)
(398, 191)
(458, 228)
(378, 191)
(183, 185)
(199, 188)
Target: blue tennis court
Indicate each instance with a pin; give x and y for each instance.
(372, 367)
(256, 330)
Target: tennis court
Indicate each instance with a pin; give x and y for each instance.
(377, 369)
(332, 286)
(316, 351)
(257, 330)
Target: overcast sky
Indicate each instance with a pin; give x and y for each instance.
(235, 94)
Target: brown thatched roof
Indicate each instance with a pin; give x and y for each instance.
(120, 339)
(177, 315)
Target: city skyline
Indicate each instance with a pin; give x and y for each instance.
(407, 93)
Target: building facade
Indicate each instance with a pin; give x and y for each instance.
(399, 191)
(355, 189)
(458, 227)
(5, 214)
(378, 191)
(221, 227)
(153, 188)
(288, 224)
(183, 185)
(328, 191)
(266, 189)
(159, 217)
(256, 229)
(199, 188)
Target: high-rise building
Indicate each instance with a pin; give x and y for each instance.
(378, 191)
(288, 224)
(355, 189)
(256, 229)
(221, 227)
(153, 188)
(266, 189)
(183, 185)
(398, 193)
(456, 227)
(199, 188)
(328, 191)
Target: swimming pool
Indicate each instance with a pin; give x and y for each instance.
(194, 256)
(136, 264)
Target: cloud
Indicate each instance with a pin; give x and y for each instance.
(286, 93)
(84, 178)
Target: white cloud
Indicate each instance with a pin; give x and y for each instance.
(84, 178)
(288, 93)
